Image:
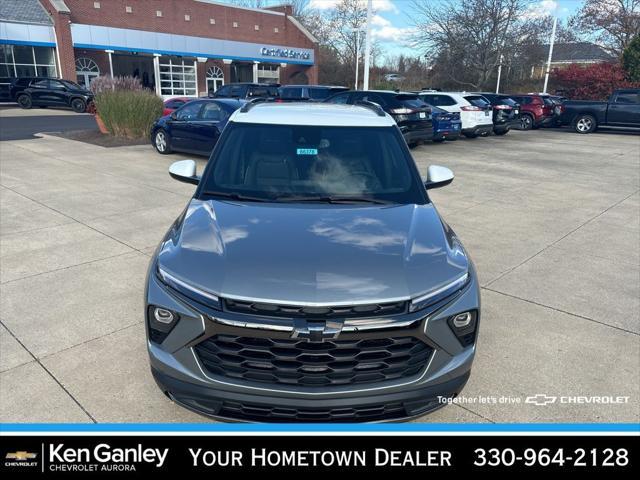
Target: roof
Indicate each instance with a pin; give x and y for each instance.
(24, 11)
(578, 51)
(316, 114)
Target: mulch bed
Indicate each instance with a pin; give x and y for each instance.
(94, 137)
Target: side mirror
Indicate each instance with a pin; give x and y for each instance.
(184, 171)
(174, 115)
(438, 176)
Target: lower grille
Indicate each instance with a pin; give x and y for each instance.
(303, 363)
(265, 413)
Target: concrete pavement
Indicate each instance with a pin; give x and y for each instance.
(551, 219)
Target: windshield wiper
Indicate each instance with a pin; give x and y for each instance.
(330, 199)
(234, 196)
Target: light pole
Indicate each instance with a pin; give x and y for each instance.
(367, 52)
(553, 39)
(357, 55)
(499, 73)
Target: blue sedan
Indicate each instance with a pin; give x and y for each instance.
(193, 128)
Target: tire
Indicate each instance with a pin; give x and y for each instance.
(24, 101)
(527, 122)
(78, 105)
(501, 132)
(162, 142)
(412, 145)
(471, 135)
(585, 123)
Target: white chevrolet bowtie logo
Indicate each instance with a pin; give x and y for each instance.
(540, 399)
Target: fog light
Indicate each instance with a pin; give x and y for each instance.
(462, 320)
(164, 316)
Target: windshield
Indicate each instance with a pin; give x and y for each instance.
(288, 163)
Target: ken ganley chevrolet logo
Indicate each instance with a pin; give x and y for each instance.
(103, 458)
(20, 458)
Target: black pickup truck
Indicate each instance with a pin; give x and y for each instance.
(622, 110)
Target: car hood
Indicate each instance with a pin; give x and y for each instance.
(312, 254)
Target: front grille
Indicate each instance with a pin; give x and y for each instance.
(317, 313)
(303, 363)
(277, 414)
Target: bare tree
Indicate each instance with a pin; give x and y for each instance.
(611, 23)
(468, 38)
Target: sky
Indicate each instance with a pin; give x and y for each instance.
(392, 22)
(391, 25)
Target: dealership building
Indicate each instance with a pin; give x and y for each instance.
(175, 47)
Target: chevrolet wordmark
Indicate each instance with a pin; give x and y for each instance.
(310, 278)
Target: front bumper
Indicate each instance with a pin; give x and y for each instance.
(182, 376)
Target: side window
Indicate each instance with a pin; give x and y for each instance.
(54, 85)
(439, 100)
(223, 91)
(211, 112)
(291, 93)
(44, 84)
(237, 91)
(340, 99)
(374, 97)
(189, 111)
(627, 98)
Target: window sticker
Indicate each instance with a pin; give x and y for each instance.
(307, 151)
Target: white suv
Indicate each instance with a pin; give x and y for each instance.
(476, 117)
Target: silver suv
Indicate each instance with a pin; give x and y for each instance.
(310, 278)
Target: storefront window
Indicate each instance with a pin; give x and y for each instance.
(268, 73)
(27, 61)
(177, 77)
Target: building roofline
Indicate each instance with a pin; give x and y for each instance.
(240, 7)
(303, 29)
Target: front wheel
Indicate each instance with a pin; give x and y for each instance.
(501, 132)
(161, 142)
(78, 105)
(24, 101)
(585, 124)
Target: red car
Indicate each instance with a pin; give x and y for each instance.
(535, 110)
(171, 104)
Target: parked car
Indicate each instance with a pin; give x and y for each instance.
(412, 115)
(50, 92)
(310, 277)
(195, 127)
(172, 104)
(394, 77)
(621, 110)
(446, 125)
(310, 93)
(246, 91)
(506, 112)
(535, 110)
(476, 119)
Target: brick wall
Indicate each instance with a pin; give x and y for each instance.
(67, 64)
(112, 13)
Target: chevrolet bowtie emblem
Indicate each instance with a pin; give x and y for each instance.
(316, 331)
(20, 455)
(541, 399)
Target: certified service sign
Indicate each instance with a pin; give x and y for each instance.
(285, 53)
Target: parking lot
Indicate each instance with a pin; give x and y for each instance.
(551, 219)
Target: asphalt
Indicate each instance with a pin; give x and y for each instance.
(550, 218)
(16, 124)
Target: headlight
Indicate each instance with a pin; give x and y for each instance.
(439, 294)
(199, 295)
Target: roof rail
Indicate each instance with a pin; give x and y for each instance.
(253, 102)
(373, 106)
